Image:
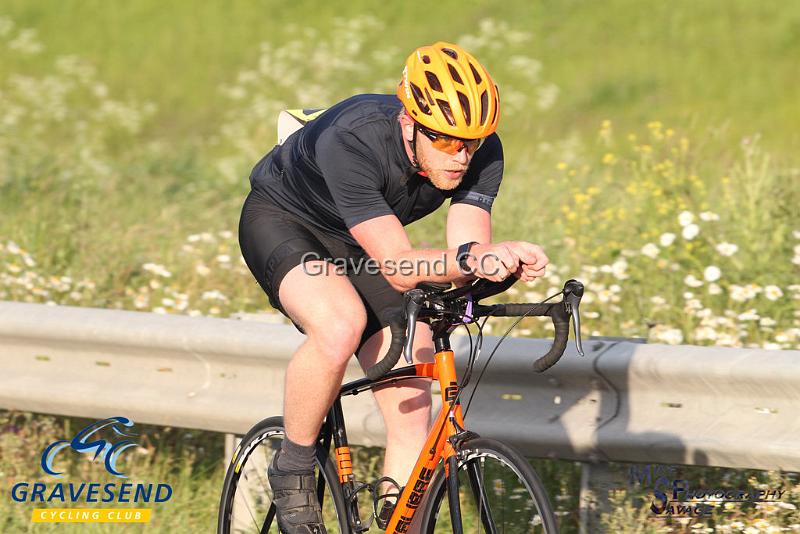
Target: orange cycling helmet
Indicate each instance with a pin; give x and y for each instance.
(446, 90)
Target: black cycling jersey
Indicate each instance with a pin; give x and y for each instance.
(349, 165)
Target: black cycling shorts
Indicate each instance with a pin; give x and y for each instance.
(274, 241)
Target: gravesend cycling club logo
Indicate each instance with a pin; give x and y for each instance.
(101, 448)
(105, 441)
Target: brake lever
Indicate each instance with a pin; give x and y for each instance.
(573, 291)
(414, 299)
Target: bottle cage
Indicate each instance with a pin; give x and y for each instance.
(291, 120)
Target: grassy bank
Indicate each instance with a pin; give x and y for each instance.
(651, 149)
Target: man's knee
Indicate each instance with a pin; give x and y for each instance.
(329, 310)
(337, 336)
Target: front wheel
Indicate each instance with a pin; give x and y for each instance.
(246, 505)
(498, 492)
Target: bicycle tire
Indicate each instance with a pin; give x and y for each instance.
(516, 498)
(246, 501)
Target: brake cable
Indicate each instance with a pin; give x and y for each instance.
(494, 350)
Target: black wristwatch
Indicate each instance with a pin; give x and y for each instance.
(463, 255)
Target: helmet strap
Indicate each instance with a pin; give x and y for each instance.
(413, 145)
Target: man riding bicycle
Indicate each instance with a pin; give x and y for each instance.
(343, 187)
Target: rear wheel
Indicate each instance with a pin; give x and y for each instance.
(246, 505)
(499, 492)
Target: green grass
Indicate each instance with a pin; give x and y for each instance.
(706, 64)
(135, 152)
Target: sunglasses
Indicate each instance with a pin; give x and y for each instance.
(450, 145)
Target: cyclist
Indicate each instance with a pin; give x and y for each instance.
(343, 187)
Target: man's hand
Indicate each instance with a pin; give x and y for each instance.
(498, 261)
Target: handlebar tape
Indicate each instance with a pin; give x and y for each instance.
(558, 313)
(396, 318)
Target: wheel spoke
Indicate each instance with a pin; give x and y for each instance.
(500, 493)
(246, 505)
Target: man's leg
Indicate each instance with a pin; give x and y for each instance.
(332, 315)
(330, 312)
(406, 407)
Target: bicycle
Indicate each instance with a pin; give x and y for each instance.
(487, 483)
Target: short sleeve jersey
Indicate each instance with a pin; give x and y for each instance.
(350, 165)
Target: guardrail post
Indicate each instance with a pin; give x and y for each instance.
(597, 481)
(231, 441)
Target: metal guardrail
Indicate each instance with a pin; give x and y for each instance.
(622, 402)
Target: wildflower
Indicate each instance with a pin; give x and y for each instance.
(690, 231)
(223, 258)
(159, 310)
(533, 296)
(561, 166)
(773, 292)
(687, 295)
(225, 234)
(202, 270)
(685, 218)
(214, 310)
(704, 333)
(714, 289)
(26, 42)
(761, 524)
(141, 301)
(712, 273)
(156, 269)
(609, 159)
(796, 259)
(691, 281)
(154, 284)
(771, 346)
(214, 294)
(667, 239)
(12, 247)
(666, 334)
(658, 301)
(619, 267)
(650, 250)
(709, 216)
(168, 302)
(796, 234)
(749, 315)
(727, 249)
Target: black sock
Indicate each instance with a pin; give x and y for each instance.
(294, 457)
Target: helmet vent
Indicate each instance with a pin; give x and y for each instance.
(428, 96)
(426, 59)
(465, 106)
(448, 112)
(454, 74)
(475, 74)
(433, 80)
(484, 107)
(450, 52)
(423, 106)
